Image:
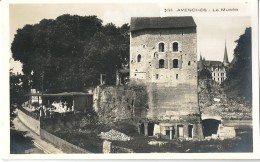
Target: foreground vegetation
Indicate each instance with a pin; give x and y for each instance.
(89, 139)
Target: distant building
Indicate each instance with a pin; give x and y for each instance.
(163, 54)
(218, 69)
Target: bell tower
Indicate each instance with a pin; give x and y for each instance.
(225, 60)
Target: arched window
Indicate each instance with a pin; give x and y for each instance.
(139, 58)
(175, 63)
(161, 47)
(175, 47)
(161, 63)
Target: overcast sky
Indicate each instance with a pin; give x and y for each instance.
(211, 31)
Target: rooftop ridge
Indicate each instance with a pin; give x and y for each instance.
(141, 23)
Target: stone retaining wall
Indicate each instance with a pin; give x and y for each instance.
(61, 144)
(29, 121)
(237, 123)
(35, 125)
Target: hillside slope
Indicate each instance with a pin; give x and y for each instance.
(214, 101)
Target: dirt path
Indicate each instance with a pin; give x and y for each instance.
(46, 147)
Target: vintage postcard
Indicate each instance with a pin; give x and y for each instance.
(131, 79)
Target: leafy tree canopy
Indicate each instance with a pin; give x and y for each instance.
(204, 74)
(239, 76)
(71, 51)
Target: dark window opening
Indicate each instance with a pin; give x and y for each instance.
(157, 76)
(210, 126)
(175, 47)
(173, 133)
(161, 63)
(135, 74)
(175, 63)
(150, 129)
(142, 129)
(167, 134)
(139, 58)
(190, 130)
(189, 63)
(161, 47)
(177, 76)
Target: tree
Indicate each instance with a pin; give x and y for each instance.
(71, 51)
(204, 74)
(108, 50)
(17, 92)
(18, 86)
(239, 76)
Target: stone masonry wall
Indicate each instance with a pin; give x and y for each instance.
(120, 103)
(145, 43)
(30, 122)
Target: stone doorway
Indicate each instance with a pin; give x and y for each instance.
(142, 129)
(180, 131)
(210, 126)
(169, 133)
(150, 129)
(190, 131)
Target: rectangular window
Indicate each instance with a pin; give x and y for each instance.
(190, 131)
(177, 76)
(157, 76)
(167, 132)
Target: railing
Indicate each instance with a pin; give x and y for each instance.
(29, 113)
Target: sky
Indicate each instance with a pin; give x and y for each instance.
(212, 32)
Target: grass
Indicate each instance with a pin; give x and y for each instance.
(242, 143)
(89, 140)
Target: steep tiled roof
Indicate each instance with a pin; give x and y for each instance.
(211, 63)
(140, 23)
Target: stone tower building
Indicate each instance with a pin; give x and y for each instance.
(163, 54)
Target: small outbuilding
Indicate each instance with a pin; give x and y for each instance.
(72, 101)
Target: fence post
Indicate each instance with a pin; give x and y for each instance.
(107, 146)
